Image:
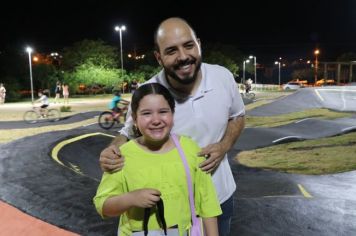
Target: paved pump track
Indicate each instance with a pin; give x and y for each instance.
(54, 176)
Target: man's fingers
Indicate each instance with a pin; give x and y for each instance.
(209, 165)
(115, 150)
(207, 162)
(210, 168)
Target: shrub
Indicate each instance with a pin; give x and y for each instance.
(65, 109)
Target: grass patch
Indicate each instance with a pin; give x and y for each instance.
(256, 104)
(312, 157)
(65, 108)
(272, 121)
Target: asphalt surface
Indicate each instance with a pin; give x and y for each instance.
(41, 123)
(334, 98)
(60, 190)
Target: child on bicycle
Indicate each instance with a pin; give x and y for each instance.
(113, 105)
(44, 102)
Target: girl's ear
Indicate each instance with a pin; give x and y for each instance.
(134, 118)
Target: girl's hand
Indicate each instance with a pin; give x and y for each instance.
(145, 198)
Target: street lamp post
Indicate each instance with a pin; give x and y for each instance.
(279, 72)
(29, 50)
(254, 60)
(244, 69)
(120, 29)
(316, 53)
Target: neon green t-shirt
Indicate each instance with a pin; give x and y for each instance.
(165, 172)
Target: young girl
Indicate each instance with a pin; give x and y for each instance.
(57, 91)
(65, 89)
(154, 171)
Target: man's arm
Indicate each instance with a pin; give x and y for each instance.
(216, 151)
(110, 158)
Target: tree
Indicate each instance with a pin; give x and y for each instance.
(148, 71)
(350, 56)
(95, 53)
(14, 67)
(217, 57)
(91, 63)
(303, 74)
(90, 75)
(44, 76)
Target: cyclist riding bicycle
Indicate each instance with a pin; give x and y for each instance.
(116, 100)
(44, 103)
(248, 85)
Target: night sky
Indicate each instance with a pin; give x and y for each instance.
(267, 29)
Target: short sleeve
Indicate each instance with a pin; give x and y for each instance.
(206, 200)
(205, 196)
(111, 185)
(237, 107)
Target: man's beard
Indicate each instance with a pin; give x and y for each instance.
(186, 80)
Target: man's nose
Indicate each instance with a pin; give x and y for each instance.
(182, 54)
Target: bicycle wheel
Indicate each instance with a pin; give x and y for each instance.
(250, 95)
(106, 120)
(53, 115)
(30, 117)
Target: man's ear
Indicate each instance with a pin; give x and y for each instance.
(158, 57)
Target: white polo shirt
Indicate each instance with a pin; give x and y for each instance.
(204, 117)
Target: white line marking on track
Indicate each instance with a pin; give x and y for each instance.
(287, 137)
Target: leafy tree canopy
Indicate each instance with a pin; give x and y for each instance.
(96, 53)
(346, 57)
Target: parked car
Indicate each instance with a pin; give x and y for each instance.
(291, 86)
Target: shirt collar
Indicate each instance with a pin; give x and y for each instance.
(204, 87)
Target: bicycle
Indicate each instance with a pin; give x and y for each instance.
(248, 95)
(35, 114)
(107, 119)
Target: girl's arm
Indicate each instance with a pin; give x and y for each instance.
(211, 226)
(143, 198)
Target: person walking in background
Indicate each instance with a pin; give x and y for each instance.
(162, 176)
(65, 89)
(2, 93)
(197, 88)
(57, 92)
(133, 86)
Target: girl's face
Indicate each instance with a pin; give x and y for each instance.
(154, 118)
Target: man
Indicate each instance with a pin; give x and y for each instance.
(209, 108)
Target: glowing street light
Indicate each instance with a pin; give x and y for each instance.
(244, 69)
(254, 60)
(120, 29)
(279, 72)
(316, 53)
(29, 51)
